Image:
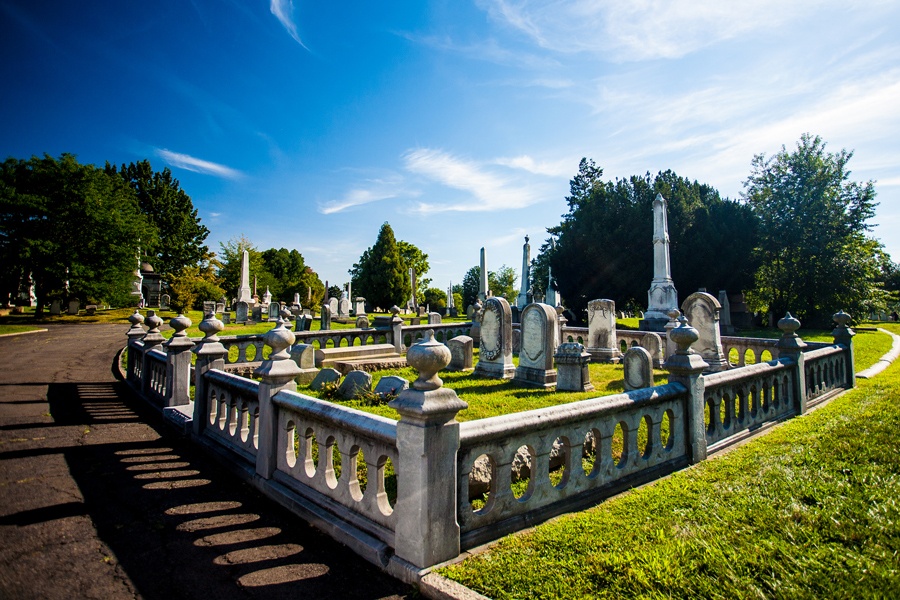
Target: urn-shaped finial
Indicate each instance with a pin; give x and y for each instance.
(211, 326)
(153, 322)
(136, 319)
(180, 324)
(395, 310)
(684, 335)
(788, 324)
(280, 339)
(842, 319)
(428, 356)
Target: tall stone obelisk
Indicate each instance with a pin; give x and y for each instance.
(522, 300)
(483, 291)
(662, 296)
(244, 294)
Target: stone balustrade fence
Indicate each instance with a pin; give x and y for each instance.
(398, 491)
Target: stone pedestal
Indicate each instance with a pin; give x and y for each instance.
(572, 370)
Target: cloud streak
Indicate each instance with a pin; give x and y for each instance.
(353, 198)
(197, 165)
(283, 9)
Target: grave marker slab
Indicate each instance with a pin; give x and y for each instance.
(461, 353)
(495, 347)
(702, 312)
(602, 344)
(327, 375)
(638, 367)
(355, 384)
(539, 339)
(392, 385)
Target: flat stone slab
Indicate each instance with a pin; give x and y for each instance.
(326, 375)
(370, 365)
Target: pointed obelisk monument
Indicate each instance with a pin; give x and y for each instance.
(483, 291)
(244, 294)
(662, 296)
(522, 300)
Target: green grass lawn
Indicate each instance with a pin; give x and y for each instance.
(7, 329)
(809, 510)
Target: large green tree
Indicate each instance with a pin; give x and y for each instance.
(179, 237)
(379, 275)
(230, 257)
(604, 243)
(501, 283)
(291, 276)
(69, 225)
(814, 252)
(412, 257)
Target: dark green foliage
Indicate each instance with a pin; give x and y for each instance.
(434, 298)
(412, 257)
(179, 236)
(292, 276)
(604, 247)
(379, 276)
(501, 283)
(192, 286)
(814, 253)
(56, 214)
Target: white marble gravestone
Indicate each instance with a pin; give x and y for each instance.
(539, 340)
(495, 345)
(702, 312)
(602, 344)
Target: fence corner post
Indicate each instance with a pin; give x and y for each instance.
(178, 363)
(790, 345)
(277, 374)
(210, 355)
(427, 531)
(397, 329)
(686, 366)
(843, 336)
(135, 333)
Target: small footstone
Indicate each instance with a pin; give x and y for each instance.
(391, 385)
(325, 376)
(355, 383)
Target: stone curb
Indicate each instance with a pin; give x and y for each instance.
(3, 335)
(438, 587)
(885, 361)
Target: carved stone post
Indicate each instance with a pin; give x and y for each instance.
(277, 373)
(427, 442)
(153, 340)
(685, 367)
(178, 363)
(210, 355)
(843, 335)
(397, 329)
(135, 333)
(790, 345)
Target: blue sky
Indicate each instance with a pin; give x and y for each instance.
(308, 124)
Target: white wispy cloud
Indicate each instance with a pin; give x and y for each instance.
(197, 165)
(556, 168)
(355, 197)
(641, 29)
(283, 11)
(487, 189)
(489, 50)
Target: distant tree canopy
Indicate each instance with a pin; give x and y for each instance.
(382, 273)
(814, 253)
(604, 243)
(179, 237)
(61, 221)
(283, 272)
(501, 283)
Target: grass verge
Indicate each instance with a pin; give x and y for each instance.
(810, 510)
(7, 329)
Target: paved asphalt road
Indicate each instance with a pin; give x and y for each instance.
(99, 500)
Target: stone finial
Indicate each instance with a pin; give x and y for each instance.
(428, 356)
(790, 343)
(180, 338)
(395, 310)
(279, 363)
(136, 319)
(153, 337)
(684, 335)
(685, 361)
(789, 325)
(842, 332)
(211, 326)
(673, 314)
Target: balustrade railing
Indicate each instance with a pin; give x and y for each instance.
(595, 445)
(231, 415)
(825, 371)
(157, 366)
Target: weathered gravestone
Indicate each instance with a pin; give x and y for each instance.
(434, 318)
(274, 311)
(415, 321)
(257, 313)
(325, 317)
(74, 307)
(495, 348)
(362, 322)
(355, 384)
(344, 308)
(461, 352)
(226, 318)
(242, 312)
(572, 372)
(539, 340)
(305, 357)
(602, 344)
(359, 306)
(725, 326)
(220, 308)
(55, 308)
(702, 312)
(325, 376)
(90, 310)
(164, 302)
(638, 368)
(333, 305)
(391, 385)
(652, 343)
(209, 307)
(470, 312)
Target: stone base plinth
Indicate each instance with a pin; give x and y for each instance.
(494, 370)
(604, 355)
(530, 376)
(658, 325)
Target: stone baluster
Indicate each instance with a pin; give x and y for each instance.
(277, 373)
(843, 336)
(135, 333)
(178, 363)
(427, 531)
(152, 341)
(790, 345)
(210, 355)
(673, 315)
(686, 366)
(397, 329)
